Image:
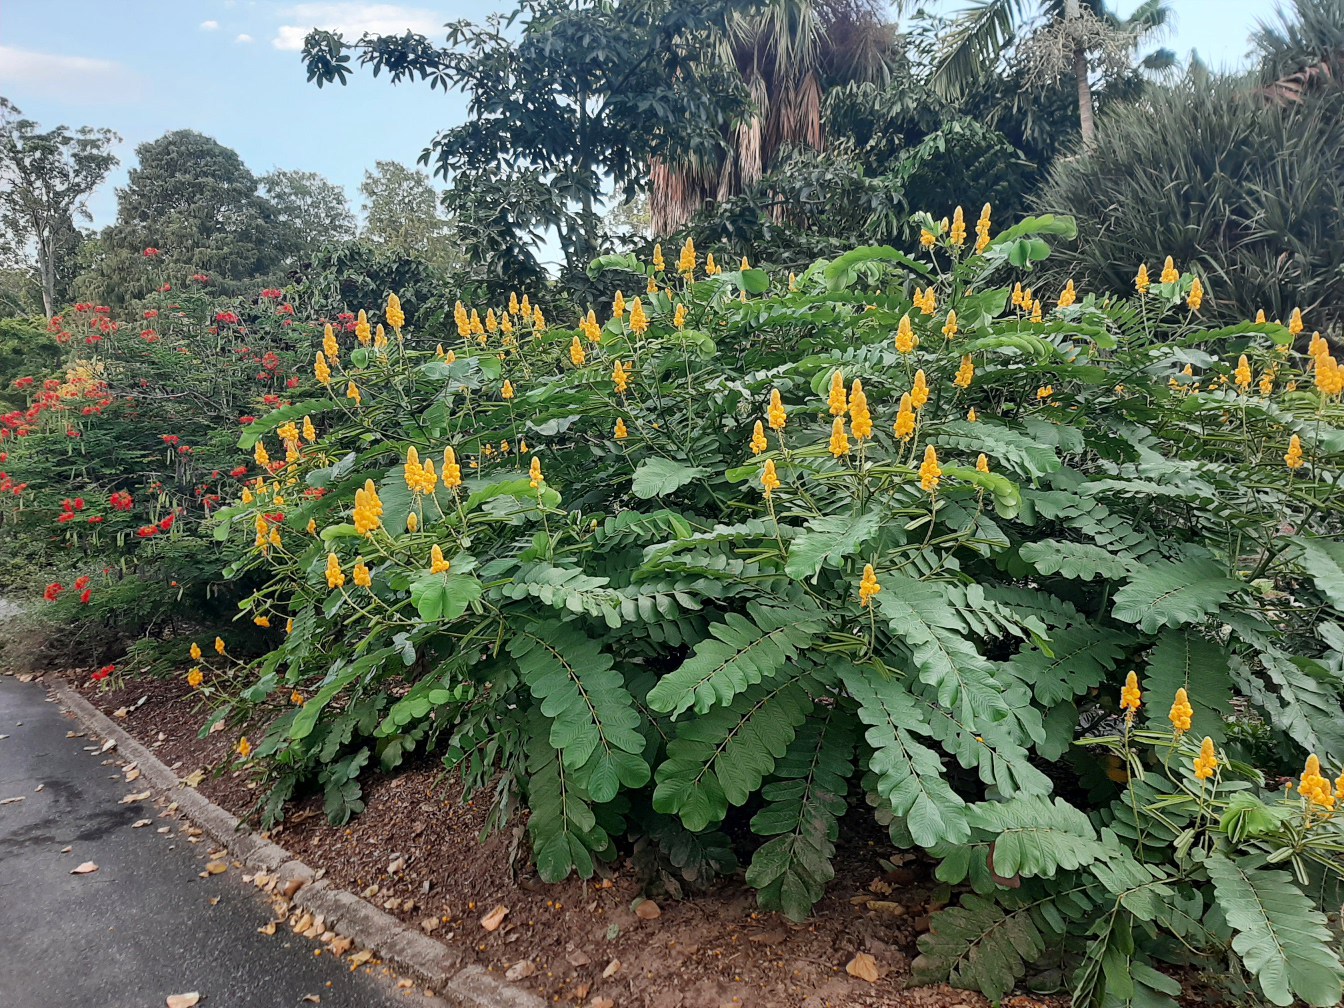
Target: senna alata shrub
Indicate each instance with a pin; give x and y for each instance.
(888, 528)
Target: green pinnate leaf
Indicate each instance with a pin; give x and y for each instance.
(1173, 593)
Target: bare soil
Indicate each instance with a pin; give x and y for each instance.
(417, 852)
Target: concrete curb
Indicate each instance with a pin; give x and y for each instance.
(443, 969)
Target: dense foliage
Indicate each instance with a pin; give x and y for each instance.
(894, 528)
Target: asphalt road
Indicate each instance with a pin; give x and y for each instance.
(142, 927)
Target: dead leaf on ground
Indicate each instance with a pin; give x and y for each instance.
(216, 867)
(184, 1000)
(121, 712)
(863, 966)
(138, 796)
(133, 774)
(87, 868)
(340, 946)
(520, 970)
(359, 959)
(267, 929)
(495, 918)
(648, 910)
(108, 744)
(612, 969)
(194, 779)
(312, 999)
(429, 925)
(578, 958)
(214, 901)
(601, 1002)
(11, 801)
(140, 823)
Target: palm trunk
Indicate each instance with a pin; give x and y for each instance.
(1086, 117)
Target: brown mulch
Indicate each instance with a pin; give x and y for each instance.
(416, 852)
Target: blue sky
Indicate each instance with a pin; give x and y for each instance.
(231, 69)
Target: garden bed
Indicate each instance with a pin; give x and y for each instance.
(416, 853)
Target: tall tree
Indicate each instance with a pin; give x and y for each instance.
(786, 55)
(195, 201)
(566, 101)
(45, 179)
(311, 211)
(402, 214)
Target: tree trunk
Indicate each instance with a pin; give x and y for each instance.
(1086, 119)
(46, 268)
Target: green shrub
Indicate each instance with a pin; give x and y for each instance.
(654, 599)
(1243, 189)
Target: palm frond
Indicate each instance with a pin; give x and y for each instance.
(980, 35)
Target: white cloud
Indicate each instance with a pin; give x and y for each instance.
(353, 20)
(209, 26)
(244, 39)
(66, 78)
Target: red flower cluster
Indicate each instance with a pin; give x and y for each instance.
(151, 252)
(121, 501)
(227, 318)
(53, 591)
(169, 439)
(103, 673)
(199, 278)
(271, 294)
(245, 420)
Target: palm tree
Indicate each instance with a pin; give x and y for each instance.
(1052, 38)
(1304, 51)
(787, 53)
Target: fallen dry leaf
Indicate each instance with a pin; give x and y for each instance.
(520, 970)
(578, 958)
(194, 779)
(132, 774)
(495, 918)
(312, 999)
(601, 1002)
(87, 868)
(138, 796)
(184, 1000)
(140, 823)
(121, 712)
(267, 929)
(216, 867)
(109, 744)
(429, 925)
(612, 969)
(11, 801)
(863, 966)
(214, 901)
(648, 910)
(340, 946)
(359, 959)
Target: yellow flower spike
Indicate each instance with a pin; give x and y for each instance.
(1267, 381)
(758, 442)
(906, 341)
(950, 326)
(1295, 323)
(1067, 296)
(411, 471)
(930, 473)
(658, 263)
(618, 305)
(576, 353)
(930, 301)
(474, 324)
(452, 472)
(1045, 392)
(534, 473)
(965, 373)
(312, 526)
(244, 747)
(1243, 374)
(620, 377)
(589, 327)
(839, 444)
(1141, 281)
(219, 645)
(246, 496)
(769, 478)
(1017, 295)
(437, 564)
(1314, 787)
(320, 370)
(295, 697)
(927, 238)
(1131, 697)
(525, 307)
(861, 421)
(309, 431)
(362, 331)
(958, 233)
(639, 322)
(982, 230)
(538, 319)
(412, 523)
(981, 463)
(360, 575)
(868, 585)
(793, 281)
(686, 261)
(1293, 459)
(1329, 375)
(514, 307)
(1196, 296)
(506, 327)
(919, 392)
(335, 576)
(352, 392)
(522, 446)
(195, 651)
(679, 317)
(396, 318)
(904, 427)
(775, 414)
(195, 678)
(1036, 314)
(506, 391)
(1181, 712)
(379, 338)
(971, 415)
(460, 317)
(329, 345)
(491, 323)
(652, 287)
(1207, 760)
(711, 267)
(836, 400)
(620, 432)
(744, 264)
(1169, 272)
(1260, 317)
(260, 455)
(274, 538)
(451, 357)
